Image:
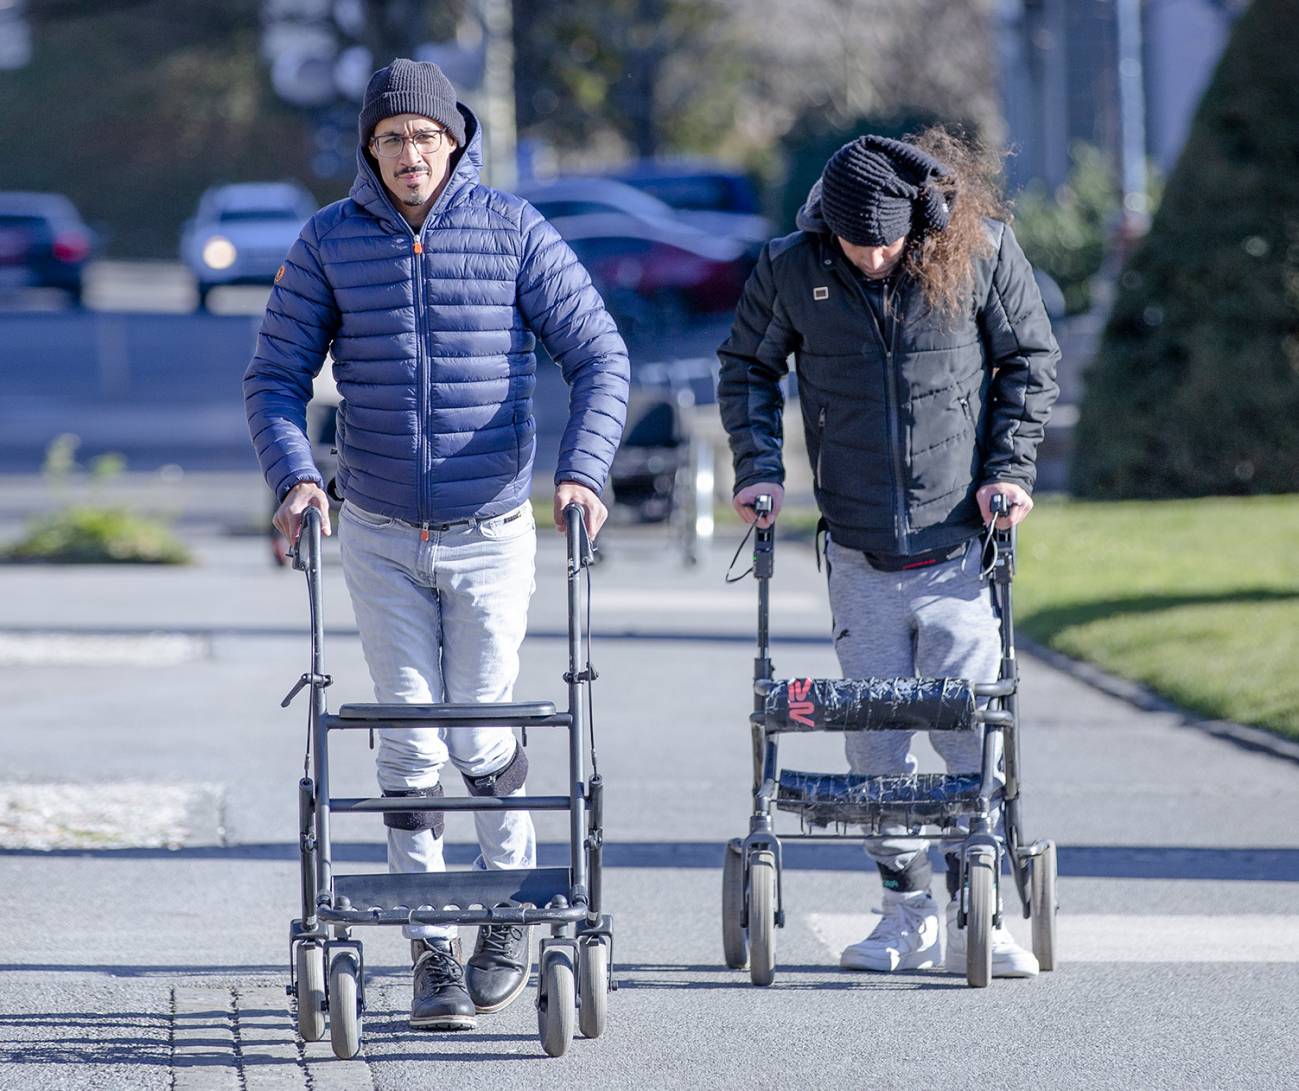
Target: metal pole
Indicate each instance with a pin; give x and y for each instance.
(1132, 119)
(319, 735)
(498, 92)
(576, 709)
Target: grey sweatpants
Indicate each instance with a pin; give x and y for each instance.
(935, 622)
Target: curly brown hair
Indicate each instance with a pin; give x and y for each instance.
(943, 261)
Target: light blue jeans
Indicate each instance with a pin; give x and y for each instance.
(442, 621)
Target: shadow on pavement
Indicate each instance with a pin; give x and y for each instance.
(832, 979)
(1075, 861)
(85, 1038)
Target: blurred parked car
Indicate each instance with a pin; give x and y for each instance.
(717, 199)
(655, 278)
(560, 198)
(241, 233)
(43, 243)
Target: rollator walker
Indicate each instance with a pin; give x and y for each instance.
(327, 974)
(932, 806)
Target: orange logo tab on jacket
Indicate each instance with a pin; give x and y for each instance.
(279, 274)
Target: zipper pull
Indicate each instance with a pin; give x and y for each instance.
(423, 530)
(419, 247)
(820, 450)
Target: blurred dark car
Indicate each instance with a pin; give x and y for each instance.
(43, 243)
(654, 277)
(715, 198)
(242, 232)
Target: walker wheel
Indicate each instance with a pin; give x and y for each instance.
(557, 1004)
(1042, 906)
(762, 917)
(344, 1007)
(735, 945)
(309, 966)
(978, 924)
(593, 986)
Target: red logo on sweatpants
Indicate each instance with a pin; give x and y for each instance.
(800, 708)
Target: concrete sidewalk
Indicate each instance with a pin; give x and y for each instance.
(129, 966)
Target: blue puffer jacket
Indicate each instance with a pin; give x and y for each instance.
(432, 340)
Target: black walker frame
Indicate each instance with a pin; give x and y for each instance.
(575, 961)
(932, 806)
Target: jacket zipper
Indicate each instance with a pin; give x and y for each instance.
(820, 447)
(417, 265)
(899, 470)
(965, 408)
(900, 532)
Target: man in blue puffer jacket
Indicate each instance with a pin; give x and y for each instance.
(427, 288)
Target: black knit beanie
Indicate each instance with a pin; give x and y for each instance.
(874, 190)
(411, 87)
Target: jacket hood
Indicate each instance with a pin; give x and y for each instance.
(809, 217)
(370, 193)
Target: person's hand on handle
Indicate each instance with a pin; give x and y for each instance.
(1017, 499)
(594, 513)
(744, 500)
(288, 516)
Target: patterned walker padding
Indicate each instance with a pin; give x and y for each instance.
(870, 704)
(823, 799)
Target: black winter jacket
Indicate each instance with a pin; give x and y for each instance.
(901, 435)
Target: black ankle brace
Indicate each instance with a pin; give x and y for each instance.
(506, 780)
(911, 879)
(415, 820)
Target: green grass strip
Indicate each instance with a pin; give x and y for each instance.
(1198, 599)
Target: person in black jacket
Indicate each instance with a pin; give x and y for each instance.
(926, 373)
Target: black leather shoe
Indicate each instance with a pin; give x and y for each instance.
(497, 971)
(441, 1001)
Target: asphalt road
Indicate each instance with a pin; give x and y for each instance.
(139, 373)
(138, 968)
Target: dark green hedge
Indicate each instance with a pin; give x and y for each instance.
(1195, 389)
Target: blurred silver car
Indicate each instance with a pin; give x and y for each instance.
(241, 233)
(711, 196)
(560, 198)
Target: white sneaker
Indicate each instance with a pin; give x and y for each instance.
(1009, 959)
(907, 937)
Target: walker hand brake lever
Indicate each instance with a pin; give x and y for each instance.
(307, 679)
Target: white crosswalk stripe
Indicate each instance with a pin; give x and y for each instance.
(1117, 937)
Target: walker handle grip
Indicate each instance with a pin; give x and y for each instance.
(575, 525)
(308, 536)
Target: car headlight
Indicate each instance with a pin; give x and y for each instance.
(219, 253)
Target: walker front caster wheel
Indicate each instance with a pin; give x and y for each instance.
(592, 986)
(735, 944)
(345, 1007)
(982, 896)
(309, 970)
(762, 917)
(557, 1004)
(1042, 907)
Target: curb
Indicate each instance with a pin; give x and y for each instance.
(1256, 739)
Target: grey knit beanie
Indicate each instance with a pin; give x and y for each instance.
(874, 190)
(411, 87)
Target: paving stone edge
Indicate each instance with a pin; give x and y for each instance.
(1143, 697)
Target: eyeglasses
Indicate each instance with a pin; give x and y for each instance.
(391, 145)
